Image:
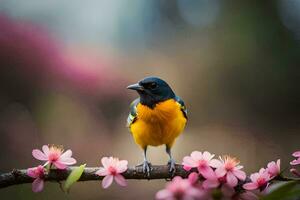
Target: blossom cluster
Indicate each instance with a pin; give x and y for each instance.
(295, 162)
(54, 157)
(224, 175)
(209, 177)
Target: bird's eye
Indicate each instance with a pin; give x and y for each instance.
(152, 85)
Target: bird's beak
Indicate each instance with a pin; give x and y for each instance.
(136, 87)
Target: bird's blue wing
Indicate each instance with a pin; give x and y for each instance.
(133, 112)
(182, 105)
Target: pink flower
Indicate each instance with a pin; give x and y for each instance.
(38, 174)
(259, 180)
(296, 161)
(203, 162)
(54, 155)
(215, 181)
(112, 169)
(229, 167)
(181, 189)
(273, 168)
(193, 178)
(212, 181)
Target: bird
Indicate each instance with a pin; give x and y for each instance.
(157, 117)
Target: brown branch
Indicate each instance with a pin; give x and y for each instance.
(17, 176)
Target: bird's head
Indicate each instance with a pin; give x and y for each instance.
(152, 90)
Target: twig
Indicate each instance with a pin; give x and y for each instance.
(19, 176)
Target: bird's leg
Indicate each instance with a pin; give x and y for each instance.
(146, 165)
(171, 161)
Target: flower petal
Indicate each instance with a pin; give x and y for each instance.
(186, 168)
(232, 181)
(278, 164)
(66, 154)
(195, 193)
(37, 185)
(250, 186)
(208, 184)
(189, 162)
(207, 156)
(196, 155)
(296, 154)
(102, 172)
(45, 149)
(32, 172)
(295, 162)
(164, 194)
(215, 163)
(239, 174)
(106, 162)
(122, 166)
(262, 170)
(38, 154)
(193, 177)
(207, 172)
(67, 161)
(221, 171)
(254, 177)
(122, 163)
(120, 180)
(59, 165)
(107, 181)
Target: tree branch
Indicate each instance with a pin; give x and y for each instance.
(19, 176)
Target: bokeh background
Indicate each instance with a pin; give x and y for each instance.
(65, 65)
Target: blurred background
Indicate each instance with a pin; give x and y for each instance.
(65, 65)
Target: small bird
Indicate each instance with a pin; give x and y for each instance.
(156, 118)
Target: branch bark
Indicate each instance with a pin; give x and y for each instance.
(19, 176)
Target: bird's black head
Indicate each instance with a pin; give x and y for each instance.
(152, 90)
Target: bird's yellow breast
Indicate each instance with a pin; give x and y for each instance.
(157, 126)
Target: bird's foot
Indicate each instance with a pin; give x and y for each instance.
(146, 167)
(172, 168)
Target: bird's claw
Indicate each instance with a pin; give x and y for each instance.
(146, 167)
(172, 168)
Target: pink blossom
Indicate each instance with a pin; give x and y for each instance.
(38, 174)
(259, 180)
(112, 169)
(215, 181)
(203, 162)
(228, 192)
(297, 160)
(273, 168)
(212, 181)
(230, 168)
(193, 178)
(181, 189)
(54, 155)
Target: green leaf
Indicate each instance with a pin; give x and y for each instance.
(73, 177)
(282, 191)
